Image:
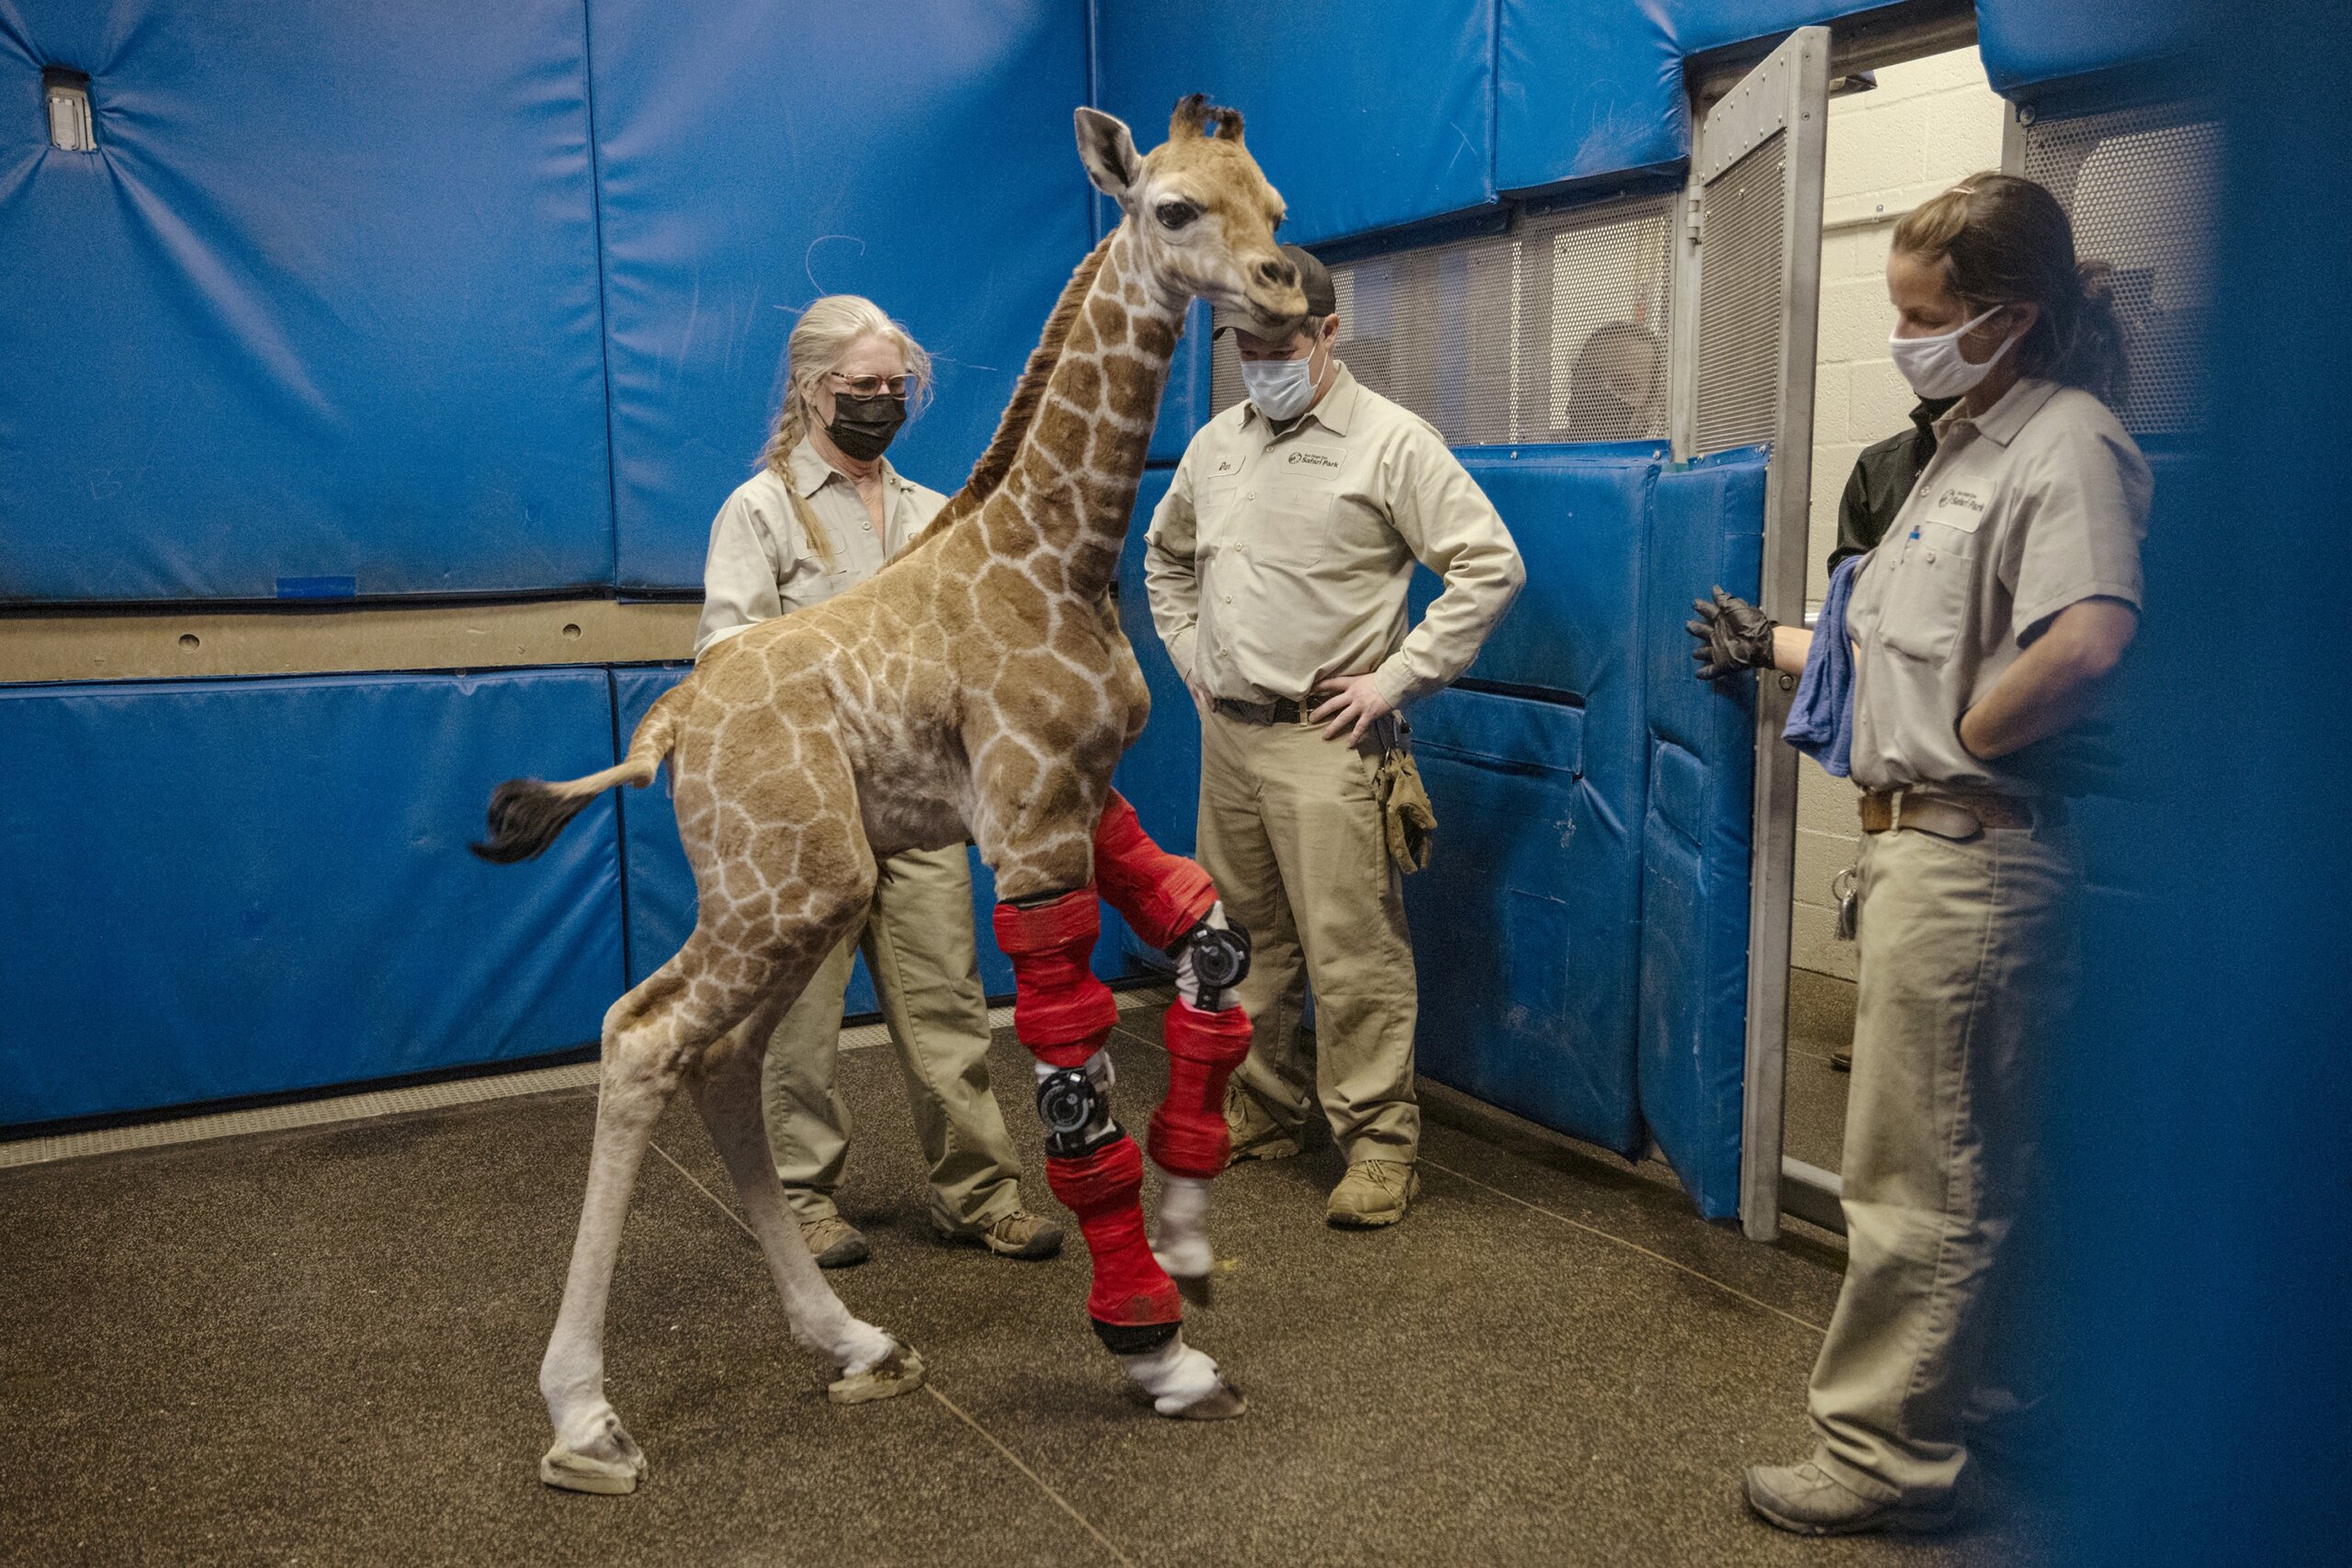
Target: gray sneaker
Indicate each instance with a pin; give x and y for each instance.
(1808, 1500)
(833, 1242)
(1018, 1234)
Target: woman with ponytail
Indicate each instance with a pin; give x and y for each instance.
(824, 512)
(1983, 628)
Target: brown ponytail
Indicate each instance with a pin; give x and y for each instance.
(2006, 240)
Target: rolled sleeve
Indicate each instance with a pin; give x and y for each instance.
(1171, 571)
(2085, 511)
(1451, 528)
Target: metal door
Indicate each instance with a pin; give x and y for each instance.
(1744, 328)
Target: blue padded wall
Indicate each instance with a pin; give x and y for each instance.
(1707, 529)
(1528, 909)
(662, 884)
(1584, 90)
(1365, 116)
(2028, 42)
(227, 888)
(921, 156)
(320, 314)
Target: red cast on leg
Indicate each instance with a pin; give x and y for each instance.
(1131, 1290)
(1188, 1136)
(1159, 896)
(1060, 1010)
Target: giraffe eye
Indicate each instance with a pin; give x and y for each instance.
(1176, 214)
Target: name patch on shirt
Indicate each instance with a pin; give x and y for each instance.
(1957, 508)
(1318, 459)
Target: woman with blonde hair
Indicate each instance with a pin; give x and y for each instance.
(825, 511)
(1982, 630)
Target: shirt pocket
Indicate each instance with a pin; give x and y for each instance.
(1288, 513)
(1929, 594)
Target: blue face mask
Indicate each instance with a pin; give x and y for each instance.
(1283, 388)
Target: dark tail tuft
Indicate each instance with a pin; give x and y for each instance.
(525, 814)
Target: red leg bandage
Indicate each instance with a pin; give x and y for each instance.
(1159, 896)
(1131, 1290)
(1188, 1132)
(1060, 1010)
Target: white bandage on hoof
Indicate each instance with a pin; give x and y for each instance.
(1175, 1376)
(1182, 1244)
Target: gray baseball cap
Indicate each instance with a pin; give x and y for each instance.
(1314, 279)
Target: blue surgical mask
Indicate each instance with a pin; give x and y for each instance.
(1283, 388)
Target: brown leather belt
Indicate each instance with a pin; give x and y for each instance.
(1952, 814)
(1282, 710)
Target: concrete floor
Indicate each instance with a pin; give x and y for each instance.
(319, 1347)
(1821, 1020)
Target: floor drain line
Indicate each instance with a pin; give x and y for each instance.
(956, 1410)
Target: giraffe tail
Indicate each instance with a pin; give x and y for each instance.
(525, 814)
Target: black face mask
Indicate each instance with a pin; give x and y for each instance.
(862, 428)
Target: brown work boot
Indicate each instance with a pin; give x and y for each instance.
(1256, 1135)
(1375, 1192)
(833, 1242)
(1020, 1234)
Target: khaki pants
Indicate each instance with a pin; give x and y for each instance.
(1969, 956)
(919, 946)
(1291, 833)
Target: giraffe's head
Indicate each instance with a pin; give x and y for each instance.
(1201, 215)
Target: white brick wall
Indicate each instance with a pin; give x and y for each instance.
(1929, 124)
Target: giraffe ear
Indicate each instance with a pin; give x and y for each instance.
(1109, 153)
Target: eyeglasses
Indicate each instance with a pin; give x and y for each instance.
(872, 386)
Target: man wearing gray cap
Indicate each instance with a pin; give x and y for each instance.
(1277, 567)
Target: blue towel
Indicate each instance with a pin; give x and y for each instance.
(1821, 718)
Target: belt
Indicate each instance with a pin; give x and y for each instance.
(1282, 710)
(1952, 814)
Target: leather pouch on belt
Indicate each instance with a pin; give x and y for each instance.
(1407, 820)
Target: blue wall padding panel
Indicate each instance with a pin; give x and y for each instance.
(1365, 116)
(1184, 405)
(1586, 89)
(2028, 42)
(227, 888)
(1160, 774)
(662, 884)
(1570, 872)
(1524, 936)
(1706, 527)
(920, 155)
(322, 305)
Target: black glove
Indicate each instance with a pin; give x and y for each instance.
(1733, 633)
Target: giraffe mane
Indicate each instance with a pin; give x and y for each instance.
(1028, 395)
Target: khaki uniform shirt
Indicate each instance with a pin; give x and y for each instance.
(762, 562)
(2038, 504)
(1279, 560)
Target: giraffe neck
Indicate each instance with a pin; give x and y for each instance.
(1070, 493)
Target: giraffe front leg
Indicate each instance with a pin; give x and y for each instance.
(1064, 1015)
(1170, 903)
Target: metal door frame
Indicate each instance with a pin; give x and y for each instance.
(1786, 95)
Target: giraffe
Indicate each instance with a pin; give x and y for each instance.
(977, 687)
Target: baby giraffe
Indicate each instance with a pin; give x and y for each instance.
(979, 686)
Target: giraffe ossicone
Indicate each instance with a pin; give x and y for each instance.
(977, 687)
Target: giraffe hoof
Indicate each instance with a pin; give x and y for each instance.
(1223, 1403)
(575, 1471)
(898, 1372)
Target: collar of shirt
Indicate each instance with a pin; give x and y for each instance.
(1333, 410)
(810, 472)
(2003, 419)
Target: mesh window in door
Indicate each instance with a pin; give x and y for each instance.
(1742, 230)
(2139, 185)
(1553, 332)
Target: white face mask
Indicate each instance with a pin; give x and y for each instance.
(1283, 388)
(1933, 365)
